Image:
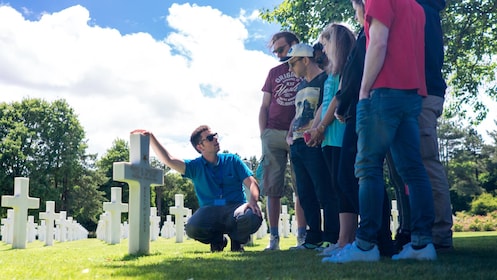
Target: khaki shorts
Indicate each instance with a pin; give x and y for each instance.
(275, 155)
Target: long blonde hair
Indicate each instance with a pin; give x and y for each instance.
(343, 40)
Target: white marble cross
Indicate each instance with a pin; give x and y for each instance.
(262, 231)
(20, 202)
(42, 231)
(167, 230)
(31, 229)
(61, 223)
(140, 177)
(115, 207)
(179, 212)
(8, 227)
(394, 222)
(285, 221)
(101, 230)
(154, 224)
(49, 216)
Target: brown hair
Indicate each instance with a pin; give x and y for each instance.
(290, 38)
(196, 137)
(343, 40)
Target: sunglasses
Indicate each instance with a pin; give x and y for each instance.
(209, 137)
(279, 50)
(292, 63)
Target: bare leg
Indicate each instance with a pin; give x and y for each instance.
(348, 227)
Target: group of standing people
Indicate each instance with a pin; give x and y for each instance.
(337, 110)
(337, 119)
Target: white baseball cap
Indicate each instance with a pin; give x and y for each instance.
(299, 50)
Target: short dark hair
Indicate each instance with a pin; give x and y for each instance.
(290, 38)
(196, 136)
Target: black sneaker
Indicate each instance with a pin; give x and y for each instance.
(219, 247)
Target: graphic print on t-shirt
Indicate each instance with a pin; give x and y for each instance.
(284, 93)
(306, 104)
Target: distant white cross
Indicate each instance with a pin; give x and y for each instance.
(20, 203)
(285, 221)
(61, 223)
(115, 207)
(154, 224)
(179, 212)
(140, 177)
(49, 216)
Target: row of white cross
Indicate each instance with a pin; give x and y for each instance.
(110, 229)
(19, 228)
(137, 173)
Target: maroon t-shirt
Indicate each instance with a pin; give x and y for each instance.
(282, 84)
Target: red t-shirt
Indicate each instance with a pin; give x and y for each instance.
(282, 84)
(404, 65)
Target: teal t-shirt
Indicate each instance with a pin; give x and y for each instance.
(333, 134)
(223, 180)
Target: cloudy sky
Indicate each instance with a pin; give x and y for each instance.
(163, 66)
(121, 65)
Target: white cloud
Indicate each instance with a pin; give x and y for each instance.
(200, 74)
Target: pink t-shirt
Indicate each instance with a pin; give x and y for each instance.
(404, 65)
(282, 84)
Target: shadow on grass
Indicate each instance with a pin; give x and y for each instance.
(473, 258)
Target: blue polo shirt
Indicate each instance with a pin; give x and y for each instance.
(223, 180)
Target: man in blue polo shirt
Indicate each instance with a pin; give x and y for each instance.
(218, 180)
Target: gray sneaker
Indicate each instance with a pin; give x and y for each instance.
(300, 240)
(274, 243)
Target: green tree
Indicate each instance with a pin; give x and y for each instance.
(461, 152)
(470, 30)
(118, 152)
(44, 141)
(488, 176)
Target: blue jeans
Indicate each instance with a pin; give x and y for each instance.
(209, 223)
(315, 191)
(388, 120)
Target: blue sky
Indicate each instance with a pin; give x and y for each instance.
(141, 16)
(159, 65)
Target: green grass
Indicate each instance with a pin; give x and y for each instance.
(475, 257)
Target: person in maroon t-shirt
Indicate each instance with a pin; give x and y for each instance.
(276, 113)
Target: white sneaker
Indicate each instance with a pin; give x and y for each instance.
(352, 253)
(300, 240)
(330, 251)
(274, 243)
(428, 253)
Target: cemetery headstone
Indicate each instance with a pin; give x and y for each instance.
(49, 216)
(140, 176)
(285, 221)
(154, 224)
(8, 227)
(61, 224)
(115, 207)
(20, 203)
(179, 212)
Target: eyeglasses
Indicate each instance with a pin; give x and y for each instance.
(280, 49)
(292, 63)
(209, 137)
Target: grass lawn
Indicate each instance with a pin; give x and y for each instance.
(475, 257)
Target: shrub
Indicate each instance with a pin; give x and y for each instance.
(483, 204)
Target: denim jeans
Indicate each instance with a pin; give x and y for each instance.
(388, 120)
(209, 223)
(348, 183)
(315, 191)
